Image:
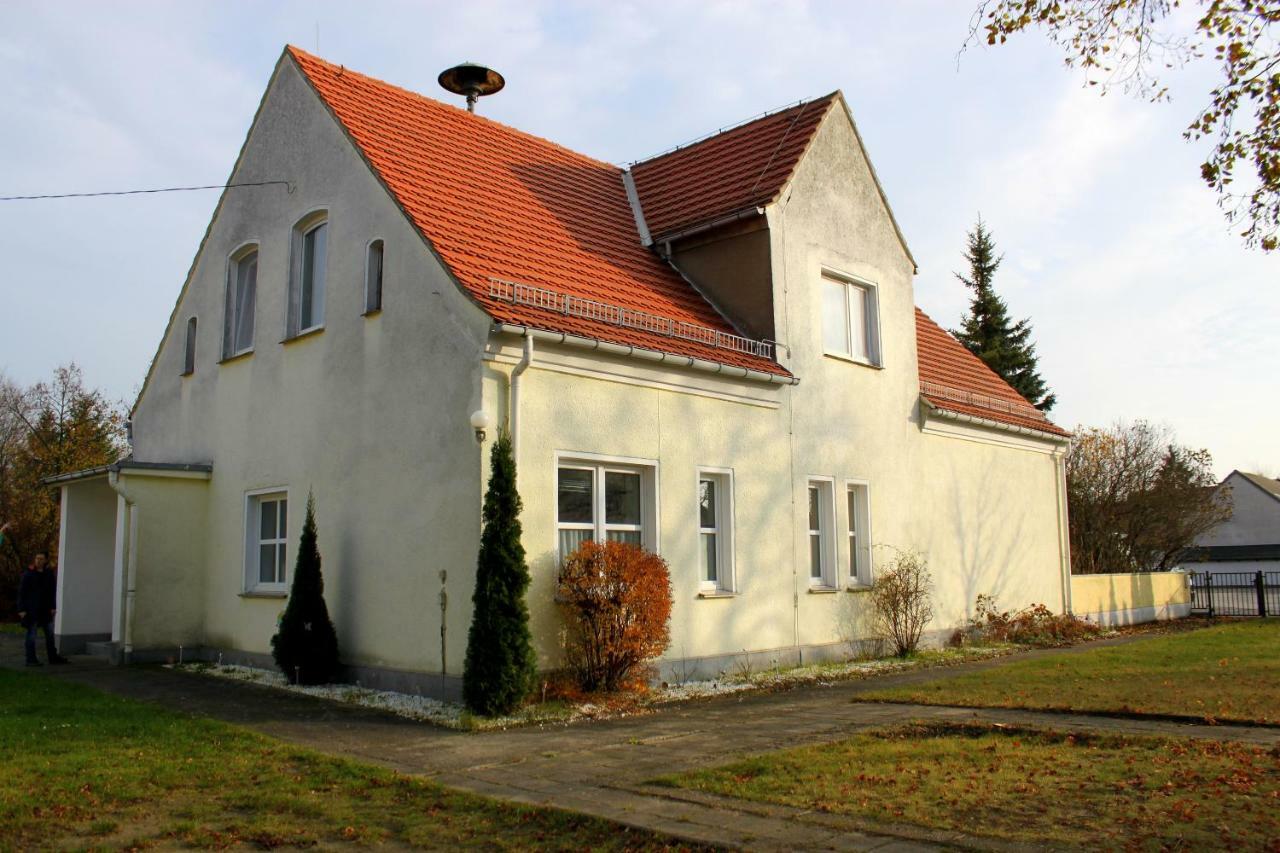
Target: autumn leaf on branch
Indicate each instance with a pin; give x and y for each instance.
(1129, 44)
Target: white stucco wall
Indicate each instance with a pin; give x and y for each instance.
(986, 516)
(371, 414)
(85, 559)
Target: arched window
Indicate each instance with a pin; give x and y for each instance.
(242, 288)
(373, 278)
(310, 263)
(189, 352)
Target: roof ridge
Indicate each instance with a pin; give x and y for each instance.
(728, 128)
(298, 52)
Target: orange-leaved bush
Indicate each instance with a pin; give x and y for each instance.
(616, 599)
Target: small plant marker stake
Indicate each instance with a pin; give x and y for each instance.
(179, 654)
(297, 675)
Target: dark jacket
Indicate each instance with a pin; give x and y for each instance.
(37, 595)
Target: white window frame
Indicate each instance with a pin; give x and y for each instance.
(252, 530)
(230, 319)
(858, 534)
(303, 227)
(189, 347)
(369, 306)
(825, 532)
(871, 317)
(600, 465)
(726, 581)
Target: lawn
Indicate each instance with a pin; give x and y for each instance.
(1028, 786)
(1227, 673)
(79, 768)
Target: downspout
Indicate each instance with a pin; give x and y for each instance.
(1064, 535)
(513, 405)
(131, 563)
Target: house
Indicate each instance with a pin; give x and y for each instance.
(1249, 541)
(713, 353)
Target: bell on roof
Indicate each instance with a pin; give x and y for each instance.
(474, 81)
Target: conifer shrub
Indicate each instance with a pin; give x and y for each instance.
(616, 599)
(902, 601)
(501, 666)
(306, 646)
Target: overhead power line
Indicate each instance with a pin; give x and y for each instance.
(142, 192)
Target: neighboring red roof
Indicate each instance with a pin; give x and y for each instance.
(735, 170)
(498, 203)
(956, 380)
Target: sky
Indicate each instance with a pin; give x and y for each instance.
(1144, 302)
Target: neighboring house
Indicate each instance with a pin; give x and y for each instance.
(714, 353)
(1249, 541)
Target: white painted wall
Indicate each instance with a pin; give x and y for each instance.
(85, 558)
(371, 414)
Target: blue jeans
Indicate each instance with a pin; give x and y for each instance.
(49, 648)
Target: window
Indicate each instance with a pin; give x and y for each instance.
(859, 534)
(266, 540)
(306, 296)
(373, 278)
(821, 556)
(189, 351)
(849, 325)
(715, 530)
(603, 502)
(242, 287)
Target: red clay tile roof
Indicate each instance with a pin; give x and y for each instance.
(498, 203)
(956, 380)
(741, 168)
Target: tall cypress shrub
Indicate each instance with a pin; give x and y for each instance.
(501, 666)
(990, 334)
(306, 646)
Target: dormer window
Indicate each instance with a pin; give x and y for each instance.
(310, 264)
(242, 286)
(373, 278)
(850, 324)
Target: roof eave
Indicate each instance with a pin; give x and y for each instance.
(948, 414)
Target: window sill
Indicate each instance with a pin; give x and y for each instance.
(236, 357)
(858, 587)
(184, 374)
(305, 333)
(264, 593)
(851, 360)
(717, 593)
(823, 590)
(371, 312)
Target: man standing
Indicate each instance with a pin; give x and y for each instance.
(37, 598)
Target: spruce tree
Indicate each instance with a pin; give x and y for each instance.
(501, 666)
(988, 332)
(306, 647)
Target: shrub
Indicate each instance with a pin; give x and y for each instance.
(306, 646)
(501, 666)
(1035, 625)
(616, 599)
(902, 600)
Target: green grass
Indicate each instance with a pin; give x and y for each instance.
(1228, 673)
(1037, 787)
(12, 628)
(79, 768)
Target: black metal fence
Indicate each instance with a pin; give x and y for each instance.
(1235, 593)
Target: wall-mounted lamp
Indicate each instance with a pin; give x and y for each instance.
(480, 422)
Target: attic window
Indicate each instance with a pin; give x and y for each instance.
(189, 350)
(373, 278)
(242, 286)
(850, 319)
(307, 279)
